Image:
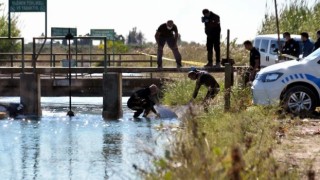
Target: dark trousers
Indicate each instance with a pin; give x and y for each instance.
(172, 45)
(139, 107)
(213, 42)
(212, 92)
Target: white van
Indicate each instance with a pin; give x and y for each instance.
(268, 47)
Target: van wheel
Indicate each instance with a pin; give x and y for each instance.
(299, 99)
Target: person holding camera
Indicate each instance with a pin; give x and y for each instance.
(213, 30)
(165, 35)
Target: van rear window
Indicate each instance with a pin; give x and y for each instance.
(256, 43)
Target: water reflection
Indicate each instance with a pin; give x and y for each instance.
(30, 149)
(81, 147)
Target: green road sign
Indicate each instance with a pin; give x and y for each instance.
(109, 33)
(27, 5)
(58, 31)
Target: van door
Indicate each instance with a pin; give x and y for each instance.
(274, 51)
(256, 43)
(264, 56)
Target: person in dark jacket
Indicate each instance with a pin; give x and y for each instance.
(254, 60)
(317, 43)
(168, 33)
(143, 101)
(308, 46)
(291, 47)
(12, 109)
(213, 31)
(204, 78)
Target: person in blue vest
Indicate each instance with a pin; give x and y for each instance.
(143, 101)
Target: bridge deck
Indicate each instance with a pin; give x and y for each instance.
(47, 70)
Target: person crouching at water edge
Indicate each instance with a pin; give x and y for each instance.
(144, 100)
(204, 78)
(12, 110)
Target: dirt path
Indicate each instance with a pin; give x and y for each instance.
(299, 147)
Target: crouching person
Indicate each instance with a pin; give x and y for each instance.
(143, 101)
(204, 78)
(12, 109)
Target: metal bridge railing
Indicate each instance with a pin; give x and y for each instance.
(50, 52)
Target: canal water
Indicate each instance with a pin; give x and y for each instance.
(85, 146)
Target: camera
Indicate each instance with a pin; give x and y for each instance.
(204, 19)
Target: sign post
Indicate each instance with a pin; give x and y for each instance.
(63, 31)
(27, 6)
(109, 33)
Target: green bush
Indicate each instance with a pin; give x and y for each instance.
(237, 144)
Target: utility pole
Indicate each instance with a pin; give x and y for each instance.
(277, 24)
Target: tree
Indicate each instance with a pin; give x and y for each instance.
(296, 17)
(135, 38)
(8, 45)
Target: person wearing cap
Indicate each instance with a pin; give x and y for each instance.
(291, 46)
(143, 101)
(168, 33)
(213, 31)
(204, 78)
(317, 43)
(308, 46)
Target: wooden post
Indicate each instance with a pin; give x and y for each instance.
(228, 76)
(227, 85)
(151, 65)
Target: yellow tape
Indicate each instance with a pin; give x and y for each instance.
(195, 63)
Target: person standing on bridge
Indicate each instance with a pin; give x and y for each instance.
(204, 78)
(144, 100)
(165, 35)
(213, 31)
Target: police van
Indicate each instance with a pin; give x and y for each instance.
(268, 47)
(295, 84)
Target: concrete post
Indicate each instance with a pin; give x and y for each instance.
(30, 94)
(112, 96)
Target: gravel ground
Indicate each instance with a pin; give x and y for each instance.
(299, 147)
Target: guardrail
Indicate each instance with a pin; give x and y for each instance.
(81, 60)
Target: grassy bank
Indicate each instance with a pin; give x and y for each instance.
(222, 145)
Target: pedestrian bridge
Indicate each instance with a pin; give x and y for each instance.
(44, 72)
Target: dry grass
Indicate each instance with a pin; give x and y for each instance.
(198, 52)
(243, 143)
